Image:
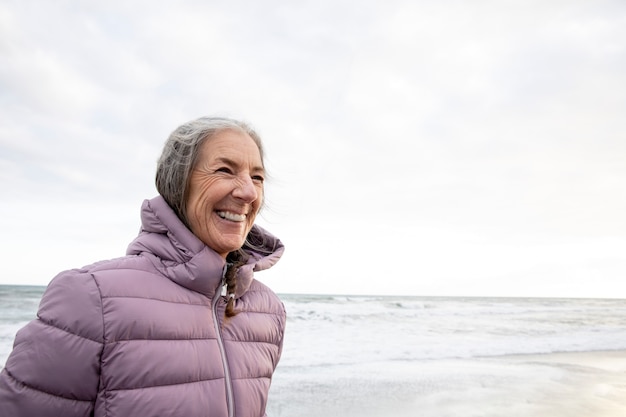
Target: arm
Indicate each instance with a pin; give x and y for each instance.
(54, 367)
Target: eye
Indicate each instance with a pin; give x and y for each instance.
(225, 170)
(258, 178)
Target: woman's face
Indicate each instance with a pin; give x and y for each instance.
(225, 190)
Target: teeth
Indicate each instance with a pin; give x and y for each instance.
(231, 216)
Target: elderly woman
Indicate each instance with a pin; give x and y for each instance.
(177, 327)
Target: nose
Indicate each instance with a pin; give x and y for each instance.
(246, 190)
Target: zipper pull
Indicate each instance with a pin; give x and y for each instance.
(224, 290)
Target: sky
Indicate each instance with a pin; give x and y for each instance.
(434, 148)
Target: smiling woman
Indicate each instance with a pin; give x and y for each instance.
(179, 326)
(211, 173)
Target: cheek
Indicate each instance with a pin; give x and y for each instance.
(199, 204)
(261, 194)
(259, 203)
(197, 217)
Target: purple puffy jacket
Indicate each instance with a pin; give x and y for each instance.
(145, 335)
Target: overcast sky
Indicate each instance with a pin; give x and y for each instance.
(416, 147)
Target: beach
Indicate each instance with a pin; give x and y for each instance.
(581, 384)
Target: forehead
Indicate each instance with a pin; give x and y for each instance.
(234, 145)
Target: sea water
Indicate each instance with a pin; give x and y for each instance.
(427, 356)
(18, 305)
(441, 356)
(332, 330)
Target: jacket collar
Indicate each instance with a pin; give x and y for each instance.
(186, 260)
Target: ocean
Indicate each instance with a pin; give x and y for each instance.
(432, 356)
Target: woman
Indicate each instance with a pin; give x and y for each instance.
(179, 326)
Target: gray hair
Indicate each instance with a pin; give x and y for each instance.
(180, 155)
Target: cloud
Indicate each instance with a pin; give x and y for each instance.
(473, 134)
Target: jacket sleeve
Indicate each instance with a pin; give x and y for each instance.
(54, 368)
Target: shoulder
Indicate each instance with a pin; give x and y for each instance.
(261, 298)
(261, 317)
(73, 299)
(72, 302)
(54, 361)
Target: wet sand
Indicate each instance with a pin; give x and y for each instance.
(586, 384)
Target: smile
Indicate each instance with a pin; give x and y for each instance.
(233, 217)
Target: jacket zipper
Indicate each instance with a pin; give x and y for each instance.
(220, 342)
